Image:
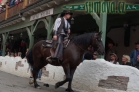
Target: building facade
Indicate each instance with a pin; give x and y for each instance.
(32, 20)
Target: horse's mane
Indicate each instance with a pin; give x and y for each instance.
(84, 39)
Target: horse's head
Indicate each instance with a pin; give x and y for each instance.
(97, 44)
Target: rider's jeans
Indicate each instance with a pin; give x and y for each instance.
(59, 50)
(40, 73)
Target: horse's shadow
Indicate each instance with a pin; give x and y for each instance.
(51, 88)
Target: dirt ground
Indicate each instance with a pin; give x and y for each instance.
(12, 83)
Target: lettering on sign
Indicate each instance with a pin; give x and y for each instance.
(111, 7)
(42, 14)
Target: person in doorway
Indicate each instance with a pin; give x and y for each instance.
(27, 51)
(137, 64)
(113, 58)
(134, 53)
(15, 54)
(95, 55)
(88, 55)
(126, 60)
(61, 30)
(110, 50)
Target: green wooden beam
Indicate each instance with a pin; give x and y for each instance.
(50, 20)
(4, 39)
(96, 17)
(31, 37)
(103, 25)
(41, 20)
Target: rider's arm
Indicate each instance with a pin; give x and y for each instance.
(56, 25)
(68, 28)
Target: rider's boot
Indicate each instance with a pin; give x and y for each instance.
(49, 59)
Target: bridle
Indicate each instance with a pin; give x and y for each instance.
(84, 49)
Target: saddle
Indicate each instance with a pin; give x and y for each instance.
(50, 43)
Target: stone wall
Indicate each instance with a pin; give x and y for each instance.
(92, 76)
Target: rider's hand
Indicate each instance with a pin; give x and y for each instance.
(69, 31)
(55, 37)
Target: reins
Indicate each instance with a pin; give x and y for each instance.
(79, 47)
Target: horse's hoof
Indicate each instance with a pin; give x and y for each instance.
(38, 87)
(31, 81)
(46, 85)
(69, 90)
(57, 85)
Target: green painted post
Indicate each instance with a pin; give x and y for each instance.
(102, 23)
(31, 37)
(4, 39)
(96, 17)
(50, 24)
(102, 27)
(31, 42)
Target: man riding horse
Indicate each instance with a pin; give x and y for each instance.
(60, 31)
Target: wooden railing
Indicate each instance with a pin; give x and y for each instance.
(2, 15)
(15, 9)
(11, 11)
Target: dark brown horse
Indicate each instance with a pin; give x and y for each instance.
(73, 55)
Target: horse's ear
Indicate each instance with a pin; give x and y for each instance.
(100, 33)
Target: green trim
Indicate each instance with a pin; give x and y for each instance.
(17, 26)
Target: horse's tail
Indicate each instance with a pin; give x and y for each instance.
(30, 57)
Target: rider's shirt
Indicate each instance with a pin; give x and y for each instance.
(57, 25)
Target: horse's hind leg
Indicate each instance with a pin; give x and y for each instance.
(39, 64)
(67, 72)
(35, 76)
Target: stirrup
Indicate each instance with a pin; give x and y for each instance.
(49, 59)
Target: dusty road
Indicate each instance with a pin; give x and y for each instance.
(12, 83)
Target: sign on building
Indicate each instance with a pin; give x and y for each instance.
(42, 14)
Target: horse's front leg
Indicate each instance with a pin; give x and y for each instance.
(72, 71)
(67, 73)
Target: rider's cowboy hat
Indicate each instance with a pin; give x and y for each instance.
(137, 42)
(66, 12)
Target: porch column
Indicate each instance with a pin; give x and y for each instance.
(31, 37)
(102, 23)
(102, 26)
(50, 26)
(4, 39)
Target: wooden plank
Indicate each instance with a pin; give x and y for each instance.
(2, 16)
